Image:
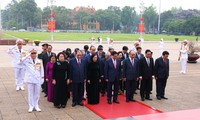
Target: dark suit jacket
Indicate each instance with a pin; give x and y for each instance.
(146, 71)
(130, 72)
(102, 55)
(110, 72)
(141, 56)
(123, 57)
(46, 58)
(161, 69)
(77, 73)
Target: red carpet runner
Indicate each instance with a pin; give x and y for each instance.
(106, 111)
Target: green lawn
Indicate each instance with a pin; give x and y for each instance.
(86, 36)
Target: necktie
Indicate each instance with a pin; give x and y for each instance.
(132, 62)
(34, 61)
(164, 61)
(148, 61)
(20, 50)
(115, 64)
(79, 63)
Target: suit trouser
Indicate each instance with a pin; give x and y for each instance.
(183, 65)
(109, 89)
(19, 76)
(160, 87)
(103, 85)
(77, 92)
(33, 94)
(145, 87)
(130, 88)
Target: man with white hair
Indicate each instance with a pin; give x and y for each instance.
(183, 56)
(18, 53)
(34, 78)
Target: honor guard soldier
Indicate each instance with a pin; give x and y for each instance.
(18, 53)
(34, 78)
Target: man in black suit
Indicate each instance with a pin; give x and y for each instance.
(100, 52)
(86, 47)
(124, 52)
(112, 71)
(45, 59)
(130, 75)
(139, 56)
(161, 74)
(78, 78)
(146, 75)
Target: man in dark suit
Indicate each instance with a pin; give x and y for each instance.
(146, 75)
(100, 53)
(161, 74)
(139, 56)
(86, 47)
(77, 77)
(112, 71)
(124, 52)
(102, 65)
(45, 59)
(92, 51)
(130, 75)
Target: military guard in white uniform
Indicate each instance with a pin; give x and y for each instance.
(34, 78)
(18, 53)
(183, 56)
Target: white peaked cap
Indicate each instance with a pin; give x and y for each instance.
(32, 50)
(19, 40)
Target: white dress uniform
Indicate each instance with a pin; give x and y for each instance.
(184, 58)
(161, 46)
(34, 79)
(19, 68)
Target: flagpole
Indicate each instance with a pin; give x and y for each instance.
(159, 17)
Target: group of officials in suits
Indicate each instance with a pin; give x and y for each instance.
(133, 68)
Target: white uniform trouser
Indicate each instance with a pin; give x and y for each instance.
(33, 94)
(19, 76)
(183, 64)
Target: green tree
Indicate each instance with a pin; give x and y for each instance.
(127, 18)
(150, 18)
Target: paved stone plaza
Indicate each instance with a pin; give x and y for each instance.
(183, 91)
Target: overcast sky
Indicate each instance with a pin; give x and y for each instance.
(103, 4)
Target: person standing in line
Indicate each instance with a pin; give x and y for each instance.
(61, 72)
(161, 46)
(18, 52)
(93, 80)
(78, 78)
(112, 74)
(34, 78)
(45, 60)
(146, 75)
(183, 56)
(161, 74)
(49, 75)
(130, 75)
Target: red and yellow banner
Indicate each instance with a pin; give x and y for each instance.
(141, 27)
(51, 25)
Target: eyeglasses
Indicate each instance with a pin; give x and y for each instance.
(33, 53)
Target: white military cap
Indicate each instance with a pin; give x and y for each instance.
(185, 41)
(32, 50)
(19, 41)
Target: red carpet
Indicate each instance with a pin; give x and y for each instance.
(106, 111)
(177, 115)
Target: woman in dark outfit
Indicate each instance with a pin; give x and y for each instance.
(93, 79)
(60, 81)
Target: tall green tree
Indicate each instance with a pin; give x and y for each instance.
(127, 18)
(150, 18)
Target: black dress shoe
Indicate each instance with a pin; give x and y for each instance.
(164, 98)
(63, 106)
(135, 93)
(159, 98)
(102, 95)
(83, 98)
(132, 100)
(150, 92)
(149, 99)
(127, 101)
(116, 101)
(57, 106)
(73, 104)
(81, 104)
(109, 102)
(142, 99)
